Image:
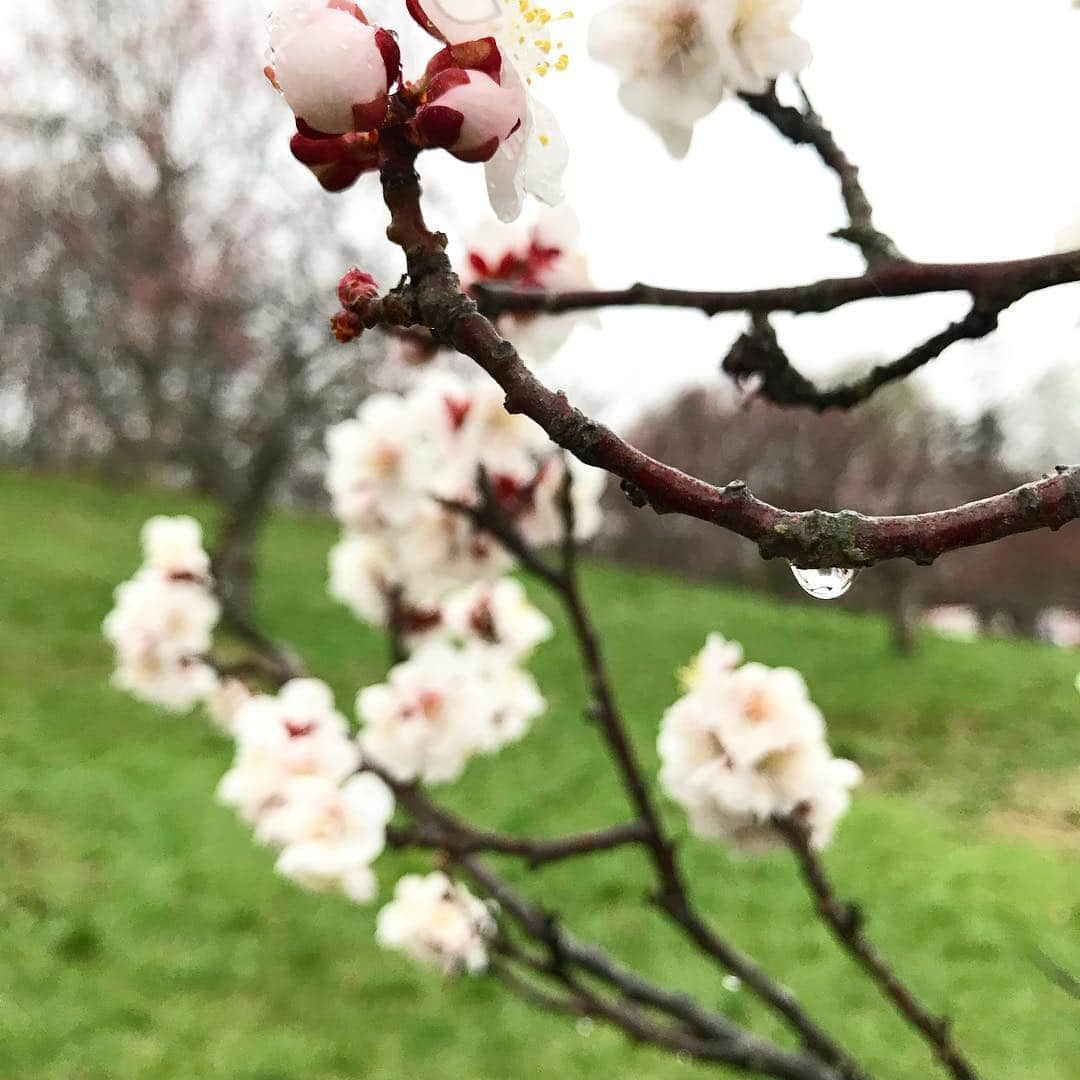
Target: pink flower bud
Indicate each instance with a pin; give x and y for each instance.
(355, 287)
(468, 113)
(345, 326)
(334, 70)
(336, 161)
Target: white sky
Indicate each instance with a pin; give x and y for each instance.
(962, 115)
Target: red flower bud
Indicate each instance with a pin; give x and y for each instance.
(338, 160)
(355, 287)
(346, 325)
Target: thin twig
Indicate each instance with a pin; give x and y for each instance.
(462, 839)
(1014, 277)
(846, 922)
(805, 127)
(1057, 974)
(757, 354)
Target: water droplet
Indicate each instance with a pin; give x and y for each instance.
(825, 584)
(731, 983)
(585, 1027)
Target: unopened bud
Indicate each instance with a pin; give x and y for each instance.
(346, 326)
(356, 287)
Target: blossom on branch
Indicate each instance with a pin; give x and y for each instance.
(329, 834)
(441, 707)
(544, 255)
(437, 922)
(296, 732)
(746, 745)
(676, 59)
(163, 620)
(534, 156)
(334, 70)
(396, 474)
(498, 615)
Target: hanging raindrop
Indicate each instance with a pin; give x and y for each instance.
(825, 584)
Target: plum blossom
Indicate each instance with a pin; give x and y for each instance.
(329, 834)
(533, 158)
(174, 545)
(510, 697)
(225, 702)
(545, 255)
(465, 109)
(334, 70)
(377, 462)
(444, 705)
(498, 615)
(675, 59)
(296, 732)
(764, 45)
(745, 745)
(437, 922)
(426, 721)
(163, 619)
(396, 470)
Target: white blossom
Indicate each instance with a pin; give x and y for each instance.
(437, 922)
(532, 160)
(174, 546)
(744, 745)
(426, 721)
(497, 614)
(225, 702)
(543, 255)
(509, 697)
(377, 462)
(764, 45)
(395, 472)
(296, 732)
(332, 68)
(329, 834)
(676, 58)
(163, 619)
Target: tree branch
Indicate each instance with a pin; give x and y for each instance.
(847, 925)
(672, 897)
(462, 839)
(1015, 277)
(711, 1037)
(757, 353)
(805, 128)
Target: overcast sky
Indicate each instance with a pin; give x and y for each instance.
(962, 115)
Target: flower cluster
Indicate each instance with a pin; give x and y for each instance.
(294, 779)
(164, 618)
(746, 745)
(338, 72)
(462, 692)
(397, 469)
(676, 59)
(545, 255)
(438, 922)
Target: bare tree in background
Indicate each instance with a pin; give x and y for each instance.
(158, 288)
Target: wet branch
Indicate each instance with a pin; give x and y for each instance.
(433, 298)
(847, 924)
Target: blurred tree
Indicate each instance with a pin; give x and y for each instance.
(896, 454)
(156, 301)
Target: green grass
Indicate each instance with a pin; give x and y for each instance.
(143, 935)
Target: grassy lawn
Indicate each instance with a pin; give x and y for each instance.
(142, 934)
